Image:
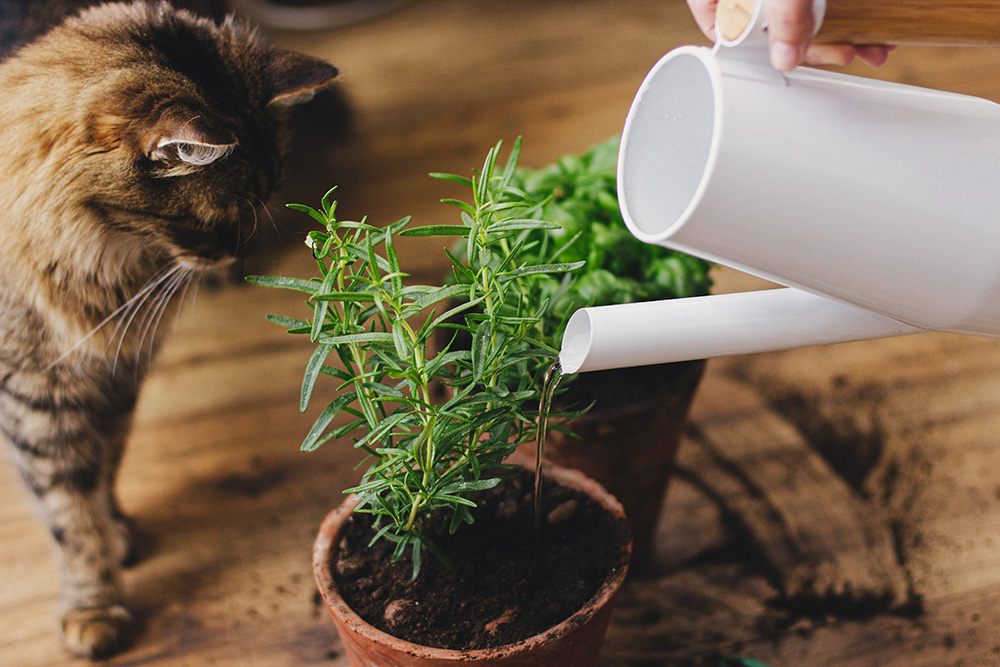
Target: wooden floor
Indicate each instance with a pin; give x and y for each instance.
(832, 506)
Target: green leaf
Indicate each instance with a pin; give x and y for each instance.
(297, 284)
(460, 516)
(315, 436)
(328, 204)
(453, 499)
(338, 373)
(472, 246)
(345, 297)
(403, 543)
(289, 322)
(370, 337)
(484, 418)
(360, 253)
(462, 272)
(376, 433)
(434, 365)
(342, 431)
(508, 172)
(481, 350)
(397, 227)
(437, 230)
(395, 275)
(477, 485)
(433, 548)
(364, 226)
(465, 206)
(440, 294)
(543, 268)
(384, 390)
(313, 368)
(522, 224)
(380, 534)
(399, 340)
(460, 308)
(321, 307)
(461, 180)
(313, 213)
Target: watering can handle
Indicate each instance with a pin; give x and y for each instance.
(941, 22)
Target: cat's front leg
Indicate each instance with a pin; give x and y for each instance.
(67, 462)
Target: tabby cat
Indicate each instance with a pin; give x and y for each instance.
(136, 140)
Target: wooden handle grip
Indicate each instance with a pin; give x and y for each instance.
(941, 22)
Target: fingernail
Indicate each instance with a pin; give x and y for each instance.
(784, 56)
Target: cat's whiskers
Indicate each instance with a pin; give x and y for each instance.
(183, 282)
(193, 277)
(141, 295)
(151, 321)
(264, 207)
(137, 303)
(158, 301)
(253, 230)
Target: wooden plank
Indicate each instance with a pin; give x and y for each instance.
(823, 543)
(229, 506)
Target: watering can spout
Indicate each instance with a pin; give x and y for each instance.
(655, 332)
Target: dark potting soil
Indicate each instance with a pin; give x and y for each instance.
(496, 592)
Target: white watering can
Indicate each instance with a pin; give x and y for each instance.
(877, 204)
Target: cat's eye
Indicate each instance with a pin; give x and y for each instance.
(199, 154)
(189, 152)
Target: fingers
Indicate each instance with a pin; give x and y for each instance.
(703, 12)
(874, 54)
(829, 54)
(842, 54)
(790, 26)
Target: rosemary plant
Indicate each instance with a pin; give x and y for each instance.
(375, 334)
(579, 194)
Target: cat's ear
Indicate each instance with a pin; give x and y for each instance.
(192, 141)
(294, 78)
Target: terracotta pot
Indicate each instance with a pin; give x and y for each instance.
(628, 441)
(575, 642)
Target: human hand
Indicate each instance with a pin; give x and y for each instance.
(790, 27)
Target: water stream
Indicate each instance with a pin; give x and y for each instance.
(552, 377)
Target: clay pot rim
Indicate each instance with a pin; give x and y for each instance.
(329, 533)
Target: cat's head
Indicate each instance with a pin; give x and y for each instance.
(183, 124)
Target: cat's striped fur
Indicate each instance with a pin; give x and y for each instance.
(135, 142)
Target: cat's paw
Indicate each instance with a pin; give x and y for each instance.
(96, 633)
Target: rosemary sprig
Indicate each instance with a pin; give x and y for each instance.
(427, 456)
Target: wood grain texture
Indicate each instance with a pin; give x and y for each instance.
(229, 507)
(938, 22)
(941, 22)
(835, 548)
